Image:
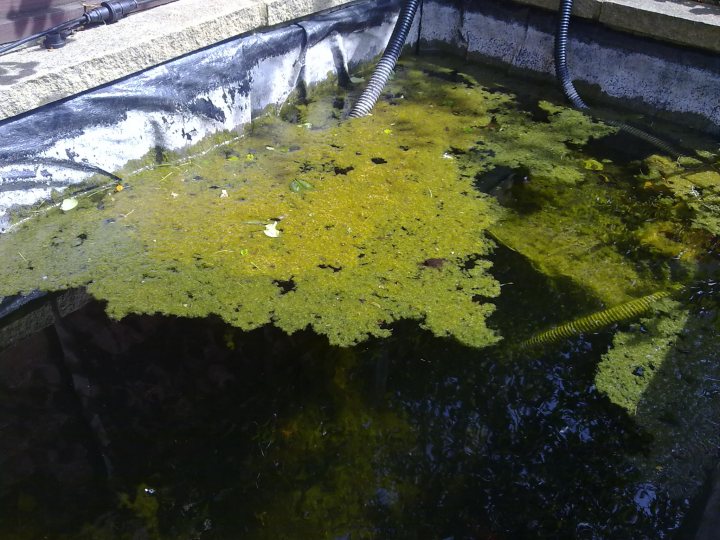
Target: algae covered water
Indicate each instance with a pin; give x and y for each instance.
(476, 313)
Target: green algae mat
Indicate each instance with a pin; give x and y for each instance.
(308, 221)
(305, 220)
(341, 226)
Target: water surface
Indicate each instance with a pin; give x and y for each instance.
(326, 329)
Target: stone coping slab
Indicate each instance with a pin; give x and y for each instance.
(683, 22)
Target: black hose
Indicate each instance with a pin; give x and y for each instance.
(563, 76)
(107, 12)
(63, 163)
(385, 66)
(66, 26)
(561, 69)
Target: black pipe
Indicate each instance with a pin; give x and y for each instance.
(561, 69)
(63, 27)
(563, 76)
(386, 65)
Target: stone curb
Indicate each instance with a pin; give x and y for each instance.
(682, 22)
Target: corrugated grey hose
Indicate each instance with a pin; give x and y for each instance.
(385, 66)
(563, 75)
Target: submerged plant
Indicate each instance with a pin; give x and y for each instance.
(664, 373)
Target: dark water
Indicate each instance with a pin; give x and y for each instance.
(208, 432)
(163, 427)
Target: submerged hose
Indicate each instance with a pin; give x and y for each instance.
(385, 66)
(596, 321)
(563, 76)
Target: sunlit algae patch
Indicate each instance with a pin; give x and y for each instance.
(344, 227)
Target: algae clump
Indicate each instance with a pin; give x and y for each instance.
(388, 231)
(663, 372)
(695, 190)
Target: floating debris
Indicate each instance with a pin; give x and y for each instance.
(271, 230)
(593, 165)
(68, 204)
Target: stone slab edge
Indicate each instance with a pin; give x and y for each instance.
(32, 77)
(683, 23)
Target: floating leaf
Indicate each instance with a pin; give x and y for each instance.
(298, 185)
(271, 230)
(593, 165)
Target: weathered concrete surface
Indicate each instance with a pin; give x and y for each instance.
(40, 316)
(611, 67)
(683, 22)
(33, 76)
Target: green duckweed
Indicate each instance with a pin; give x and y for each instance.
(348, 226)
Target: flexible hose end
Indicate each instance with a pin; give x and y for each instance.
(110, 12)
(385, 66)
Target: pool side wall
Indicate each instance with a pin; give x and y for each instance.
(609, 67)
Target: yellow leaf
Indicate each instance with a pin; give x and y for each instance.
(593, 165)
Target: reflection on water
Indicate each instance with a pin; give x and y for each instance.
(180, 427)
(213, 433)
(209, 432)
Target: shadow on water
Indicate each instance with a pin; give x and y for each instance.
(209, 432)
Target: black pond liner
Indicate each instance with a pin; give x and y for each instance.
(172, 105)
(175, 104)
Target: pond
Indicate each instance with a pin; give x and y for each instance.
(476, 313)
